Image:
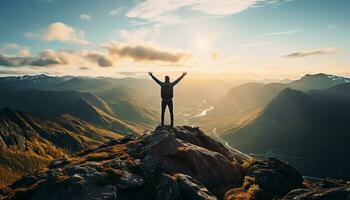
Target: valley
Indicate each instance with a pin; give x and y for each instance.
(283, 120)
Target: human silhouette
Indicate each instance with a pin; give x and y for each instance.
(167, 95)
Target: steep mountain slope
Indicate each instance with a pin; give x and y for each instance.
(243, 102)
(85, 106)
(310, 130)
(114, 92)
(130, 105)
(169, 163)
(49, 102)
(28, 142)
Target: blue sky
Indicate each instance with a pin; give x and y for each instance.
(257, 38)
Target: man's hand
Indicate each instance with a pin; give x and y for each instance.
(150, 73)
(184, 74)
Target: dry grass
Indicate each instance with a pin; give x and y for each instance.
(14, 164)
(250, 190)
(249, 163)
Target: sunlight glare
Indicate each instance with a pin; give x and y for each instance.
(202, 43)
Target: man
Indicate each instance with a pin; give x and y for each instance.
(167, 95)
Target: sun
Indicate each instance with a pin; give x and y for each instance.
(202, 43)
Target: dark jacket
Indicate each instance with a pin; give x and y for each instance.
(167, 91)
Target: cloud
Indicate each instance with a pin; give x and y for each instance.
(299, 54)
(21, 50)
(61, 32)
(110, 53)
(138, 34)
(115, 12)
(31, 35)
(24, 53)
(85, 17)
(290, 32)
(11, 72)
(47, 1)
(254, 44)
(11, 46)
(84, 68)
(45, 58)
(49, 57)
(145, 52)
(165, 11)
(7, 61)
(99, 58)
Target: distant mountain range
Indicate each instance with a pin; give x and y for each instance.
(309, 129)
(244, 101)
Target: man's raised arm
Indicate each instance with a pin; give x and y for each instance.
(155, 79)
(179, 79)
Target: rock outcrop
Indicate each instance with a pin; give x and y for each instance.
(169, 163)
(322, 190)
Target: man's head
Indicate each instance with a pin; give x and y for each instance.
(167, 79)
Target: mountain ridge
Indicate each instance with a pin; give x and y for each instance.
(301, 125)
(31, 138)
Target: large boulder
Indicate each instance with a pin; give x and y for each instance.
(169, 154)
(338, 193)
(182, 187)
(321, 189)
(275, 176)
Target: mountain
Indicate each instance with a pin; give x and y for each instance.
(244, 101)
(85, 106)
(309, 130)
(250, 96)
(41, 81)
(169, 163)
(115, 93)
(318, 81)
(29, 142)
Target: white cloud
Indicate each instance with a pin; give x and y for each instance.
(48, 1)
(24, 53)
(59, 31)
(31, 35)
(165, 11)
(137, 34)
(114, 12)
(254, 44)
(85, 17)
(7, 46)
(278, 33)
(41, 60)
(300, 54)
(21, 50)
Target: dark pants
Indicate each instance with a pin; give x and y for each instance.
(169, 103)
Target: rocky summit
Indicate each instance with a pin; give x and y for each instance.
(173, 164)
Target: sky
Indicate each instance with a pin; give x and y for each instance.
(256, 39)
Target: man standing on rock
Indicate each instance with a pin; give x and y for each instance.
(167, 95)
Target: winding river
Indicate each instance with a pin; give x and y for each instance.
(275, 152)
(204, 112)
(215, 134)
